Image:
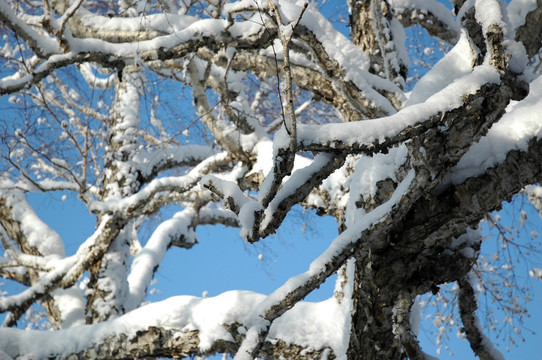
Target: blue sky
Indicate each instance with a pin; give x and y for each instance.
(222, 261)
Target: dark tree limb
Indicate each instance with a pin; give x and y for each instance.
(530, 33)
(443, 29)
(402, 328)
(468, 304)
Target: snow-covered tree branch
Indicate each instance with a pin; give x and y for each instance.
(231, 113)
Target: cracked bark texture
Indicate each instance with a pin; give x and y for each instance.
(372, 31)
(141, 166)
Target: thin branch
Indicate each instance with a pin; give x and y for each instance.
(479, 343)
(284, 157)
(41, 45)
(70, 12)
(206, 113)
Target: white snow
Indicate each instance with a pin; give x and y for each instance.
(518, 9)
(61, 267)
(489, 13)
(47, 45)
(37, 233)
(349, 57)
(521, 123)
(457, 62)
(314, 325)
(247, 206)
(264, 157)
(536, 273)
(149, 161)
(152, 254)
(162, 23)
(293, 183)
(368, 171)
(4, 356)
(247, 218)
(367, 132)
(167, 183)
(90, 74)
(304, 324)
(439, 10)
(71, 305)
(319, 265)
(399, 39)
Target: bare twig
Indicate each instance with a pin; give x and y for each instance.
(284, 157)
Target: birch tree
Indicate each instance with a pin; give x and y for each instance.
(268, 106)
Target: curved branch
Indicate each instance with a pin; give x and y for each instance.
(142, 201)
(43, 46)
(356, 238)
(69, 270)
(206, 112)
(403, 331)
(150, 164)
(530, 33)
(468, 304)
(118, 55)
(433, 16)
(373, 136)
(180, 229)
(295, 189)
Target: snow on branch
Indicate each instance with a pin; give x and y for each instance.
(175, 45)
(148, 259)
(43, 46)
(142, 200)
(206, 112)
(247, 209)
(514, 131)
(90, 73)
(296, 188)
(65, 271)
(331, 48)
(212, 216)
(259, 219)
(526, 18)
(17, 82)
(371, 136)
(480, 344)
(342, 247)
(381, 37)
(24, 226)
(184, 326)
(18, 304)
(432, 15)
(122, 29)
(150, 163)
